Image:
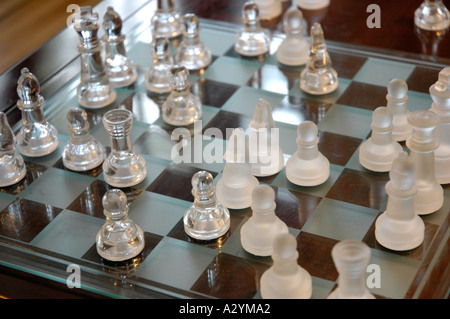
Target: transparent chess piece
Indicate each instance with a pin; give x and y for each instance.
(432, 15)
(37, 137)
(318, 77)
(83, 152)
(95, 90)
(294, 49)
(120, 238)
(379, 151)
(260, 230)
(351, 258)
(285, 279)
(166, 21)
(157, 77)
(399, 228)
(397, 99)
(206, 219)
(182, 107)
(121, 70)
(12, 166)
(252, 40)
(122, 167)
(192, 53)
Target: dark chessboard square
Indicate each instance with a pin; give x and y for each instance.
(226, 121)
(230, 277)
(295, 110)
(274, 79)
(33, 172)
(361, 188)
(92, 173)
(23, 219)
(418, 253)
(175, 181)
(363, 95)
(422, 78)
(315, 255)
(346, 65)
(338, 149)
(213, 93)
(127, 266)
(90, 200)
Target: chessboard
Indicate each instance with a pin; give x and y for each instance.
(49, 221)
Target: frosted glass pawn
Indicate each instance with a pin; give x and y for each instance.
(252, 40)
(234, 189)
(12, 166)
(432, 15)
(269, 9)
(120, 238)
(121, 70)
(95, 90)
(83, 152)
(265, 153)
(440, 94)
(351, 258)
(318, 77)
(181, 107)
(307, 166)
(397, 98)
(286, 279)
(166, 21)
(294, 49)
(207, 218)
(422, 144)
(157, 77)
(122, 167)
(379, 151)
(260, 230)
(192, 53)
(37, 137)
(312, 4)
(399, 227)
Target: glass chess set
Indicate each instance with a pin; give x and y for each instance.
(92, 131)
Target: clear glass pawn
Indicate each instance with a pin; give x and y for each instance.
(121, 70)
(83, 152)
(166, 21)
(206, 219)
(120, 238)
(157, 77)
(318, 77)
(12, 166)
(182, 107)
(192, 52)
(37, 137)
(432, 15)
(122, 167)
(252, 40)
(95, 90)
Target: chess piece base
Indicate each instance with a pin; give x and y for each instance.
(258, 239)
(274, 286)
(208, 224)
(235, 198)
(307, 172)
(378, 158)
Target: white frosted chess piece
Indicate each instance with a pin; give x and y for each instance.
(313, 4)
(252, 40)
(307, 166)
(12, 165)
(399, 227)
(422, 144)
(351, 258)
(318, 77)
(440, 94)
(294, 49)
(397, 98)
(286, 279)
(260, 230)
(432, 15)
(120, 238)
(206, 219)
(269, 9)
(234, 188)
(379, 151)
(265, 154)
